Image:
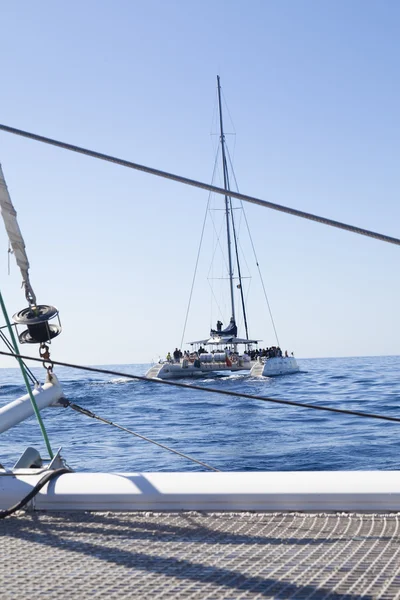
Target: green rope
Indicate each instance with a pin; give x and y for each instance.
(24, 375)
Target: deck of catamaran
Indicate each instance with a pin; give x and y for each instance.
(197, 555)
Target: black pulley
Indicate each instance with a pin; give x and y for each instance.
(37, 318)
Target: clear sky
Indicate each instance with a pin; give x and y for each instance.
(313, 91)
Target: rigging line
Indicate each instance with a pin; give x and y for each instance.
(92, 415)
(239, 270)
(10, 347)
(228, 111)
(229, 199)
(202, 185)
(237, 188)
(269, 307)
(235, 238)
(222, 209)
(226, 186)
(211, 390)
(215, 146)
(216, 233)
(211, 267)
(256, 259)
(198, 256)
(15, 353)
(226, 278)
(243, 257)
(218, 243)
(214, 113)
(211, 210)
(247, 296)
(221, 312)
(234, 129)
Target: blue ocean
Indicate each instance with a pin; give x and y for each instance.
(231, 434)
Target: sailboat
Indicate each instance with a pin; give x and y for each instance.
(221, 350)
(294, 538)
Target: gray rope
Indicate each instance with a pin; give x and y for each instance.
(255, 257)
(204, 186)
(31, 376)
(92, 415)
(197, 258)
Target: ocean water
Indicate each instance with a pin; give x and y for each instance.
(228, 433)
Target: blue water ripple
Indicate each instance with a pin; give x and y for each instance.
(230, 433)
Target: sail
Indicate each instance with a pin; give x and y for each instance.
(9, 215)
(230, 331)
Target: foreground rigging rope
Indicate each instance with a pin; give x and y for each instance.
(199, 184)
(34, 491)
(212, 390)
(92, 415)
(31, 376)
(20, 362)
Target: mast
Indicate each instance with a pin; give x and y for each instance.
(227, 198)
(239, 273)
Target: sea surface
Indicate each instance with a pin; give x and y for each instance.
(228, 433)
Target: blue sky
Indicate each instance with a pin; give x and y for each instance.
(313, 92)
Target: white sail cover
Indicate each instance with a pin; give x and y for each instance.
(9, 215)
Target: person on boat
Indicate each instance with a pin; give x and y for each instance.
(169, 357)
(201, 350)
(219, 325)
(176, 355)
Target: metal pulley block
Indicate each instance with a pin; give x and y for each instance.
(37, 318)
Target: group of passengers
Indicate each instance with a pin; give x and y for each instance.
(177, 354)
(272, 352)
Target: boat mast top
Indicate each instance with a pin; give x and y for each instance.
(227, 197)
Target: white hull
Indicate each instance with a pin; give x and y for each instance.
(240, 491)
(271, 367)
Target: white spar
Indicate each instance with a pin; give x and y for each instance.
(17, 411)
(352, 491)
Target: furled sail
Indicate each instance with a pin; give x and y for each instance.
(230, 331)
(9, 215)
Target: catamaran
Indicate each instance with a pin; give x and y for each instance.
(220, 351)
(184, 536)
